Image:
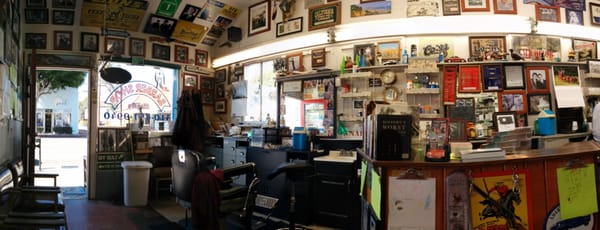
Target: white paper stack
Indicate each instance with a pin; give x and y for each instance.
(484, 154)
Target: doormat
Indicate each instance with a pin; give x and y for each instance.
(73, 193)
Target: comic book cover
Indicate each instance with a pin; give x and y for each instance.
(500, 200)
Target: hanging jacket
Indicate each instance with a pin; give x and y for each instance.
(190, 126)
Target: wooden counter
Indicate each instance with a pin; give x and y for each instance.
(541, 165)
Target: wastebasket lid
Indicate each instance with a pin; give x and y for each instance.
(136, 164)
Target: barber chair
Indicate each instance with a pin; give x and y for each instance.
(294, 172)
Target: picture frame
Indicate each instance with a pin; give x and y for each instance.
(457, 130)
(63, 40)
(162, 52)
(36, 16)
(63, 17)
(358, 104)
(190, 81)
(367, 1)
(220, 106)
(137, 46)
(201, 58)
(450, 7)
(538, 103)
(317, 57)
(294, 62)
(514, 77)
(292, 26)
(89, 42)
(538, 79)
(594, 14)
(63, 4)
(390, 93)
(566, 75)
(505, 6)
(438, 129)
(36, 3)
(574, 17)
(220, 91)
(189, 13)
(207, 83)
(469, 79)
(474, 5)
(593, 67)
(365, 52)
(585, 49)
(35, 40)
(159, 25)
(493, 78)
(181, 54)
(388, 50)
(486, 48)
(220, 75)
(547, 13)
(323, 16)
(114, 45)
(463, 109)
(207, 97)
(504, 121)
(259, 18)
(515, 101)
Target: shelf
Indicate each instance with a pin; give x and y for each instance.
(357, 75)
(430, 115)
(358, 94)
(379, 67)
(423, 91)
(350, 118)
(591, 76)
(418, 71)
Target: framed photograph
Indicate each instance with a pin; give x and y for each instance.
(504, 121)
(162, 52)
(294, 62)
(365, 52)
(505, 6)
(137, 47)
(36, 3)
(584, 49)
(325, 15)
(538, 79)
(207, 83)
(358, 104)
(594, 66)
(512, 101)
(547, 13)
(514, 77)
(189, 13)
(220, 91)
(437, 138)
(207, 97)
(65, 4)
(292, 26)
(567, 75)
(595, 14)
(220, 106)
(220, 75)
(538, 102)
(63, 17)
(35, 40)
(486, 48)
(457, 130)
(574, 17)
(493, 79)
(259, 18)
(190, 81)
(209, 41)
(159, 25)
(201, 58)
(114, 45)
(451, 7)
(474, 5)
(469, 80)
(317, 57)
(388, 50)
(463, 109)
(63, 40)
(181, 54)
(89, 42)
(36, 16)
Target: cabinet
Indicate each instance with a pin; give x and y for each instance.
(336, 195)
(234, 154)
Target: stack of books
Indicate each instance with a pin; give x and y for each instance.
(485, 154)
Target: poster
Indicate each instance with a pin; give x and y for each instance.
(411, 204)
(125, 15)
(577, 191)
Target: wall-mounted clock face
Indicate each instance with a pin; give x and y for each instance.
(388, 76)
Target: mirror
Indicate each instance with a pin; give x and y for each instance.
(115, 75)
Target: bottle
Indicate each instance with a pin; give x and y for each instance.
(409, 84)
(413, 50)
(405, 57)
(441, 57)
(416, 83)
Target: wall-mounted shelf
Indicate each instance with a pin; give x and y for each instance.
(367, 74)
(591, 76)
(354, 95)
(423, 91)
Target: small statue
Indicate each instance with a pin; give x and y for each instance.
(571, 55)
(515, 56)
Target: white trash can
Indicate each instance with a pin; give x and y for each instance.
(136, 175)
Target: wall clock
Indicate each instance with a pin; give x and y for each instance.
(388, 76)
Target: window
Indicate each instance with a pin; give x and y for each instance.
(262, 90)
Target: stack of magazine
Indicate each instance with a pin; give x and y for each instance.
(484, 154)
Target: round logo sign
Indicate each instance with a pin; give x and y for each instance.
(554, 222)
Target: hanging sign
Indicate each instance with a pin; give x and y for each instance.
(120, 14)
(167, 8)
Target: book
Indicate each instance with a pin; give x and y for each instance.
(482, 154)
(392, 137)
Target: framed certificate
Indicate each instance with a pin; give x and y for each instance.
(492, 78)
(469, 79)
(513, 77)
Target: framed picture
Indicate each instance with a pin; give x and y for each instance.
(63, 4)
(137, 47)
(201, 58)
(594, 66)
(162, 52)
(574, 17)
(514, 77)
(36, 16)
(474, 5)
(189, 12)
(36, 3)
(538, 102)
(207, 83)
(220, 106)
(89, 42)
(595, 14)
(469, 80)
(35, 40)
(325, 15)
(388, 50)
(512, 101)
(317, 57)
(63, 40)
(463, 109)
(457, 130)
(584, 49)
(504, 121)
(486, 48)
(538, 79)
(219, 91)
(294, 62)
(358, 104)
(220, 75)
(181, 54)
(366, 53)
(190, 81)
(159, 25)
(292, 26)
(259, 18)
(437, 138)
(207, 97)
(63, 17)
(451, 7)
(114, 45)
(567, 75)
(493, 79)
(505, 6)
(547, 13)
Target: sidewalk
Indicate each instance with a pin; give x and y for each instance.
(64, 156)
